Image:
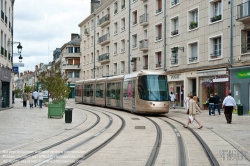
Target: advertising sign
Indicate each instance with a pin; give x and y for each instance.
(244, 74)
(15, 69)
(45, 92)
(18, 64)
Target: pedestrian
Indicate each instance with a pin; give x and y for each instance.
(229, 104)
(186, 101)
(196, 99)
(31, 99)
(192, 111)
(40, 98)
(35, 94)
(211, 104)
(216, 102)
(172, 98)
(25, 98)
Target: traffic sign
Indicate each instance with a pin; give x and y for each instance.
(15, 69)
(18, 64)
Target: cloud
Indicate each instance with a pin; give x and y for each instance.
(43, 26)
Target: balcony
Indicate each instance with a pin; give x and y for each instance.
(71, 55)
(104, 21)
(145, 67)
(215, 54)
(215, 18)
(174, 2)
(175, 32)
(158, 11)
(144, 19)
(104, 58)
(86, 31)
(144, 45)
(243, 12)
(104, 39)
(193, 59)
(158, 65)
(71, 67)
(2, 15)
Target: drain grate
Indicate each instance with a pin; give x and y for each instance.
(135, 118)
(140, 127)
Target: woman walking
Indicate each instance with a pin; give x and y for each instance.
(25, 98)
(192, 111)
(40, 98)
(31, 99)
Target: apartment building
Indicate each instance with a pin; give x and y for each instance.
(70, 61)
(6, 53)
(122, 36)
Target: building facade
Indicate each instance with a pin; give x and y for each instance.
(190, 39)
(6, 74)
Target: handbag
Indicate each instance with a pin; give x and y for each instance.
(191, 119)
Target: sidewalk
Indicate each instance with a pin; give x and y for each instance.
(24, 125)
(237, 133)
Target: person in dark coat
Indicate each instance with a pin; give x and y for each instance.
(216, 102)
(211, 104)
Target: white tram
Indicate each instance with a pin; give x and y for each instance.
(140, 92)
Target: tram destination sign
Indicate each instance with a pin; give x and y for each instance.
(243, 74)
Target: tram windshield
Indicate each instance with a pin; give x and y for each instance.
(153, 87)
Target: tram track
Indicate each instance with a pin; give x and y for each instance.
(55, 144)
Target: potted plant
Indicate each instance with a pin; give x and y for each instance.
(56, 84)
(192, 25)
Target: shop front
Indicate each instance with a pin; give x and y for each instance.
(5, 77)
(213, 81)
(240, 86)
(176, 85)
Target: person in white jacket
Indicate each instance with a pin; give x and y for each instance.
(172, 99)
(229, 104)
(40, 98)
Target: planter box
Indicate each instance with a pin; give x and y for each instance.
(55, 110)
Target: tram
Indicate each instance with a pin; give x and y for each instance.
(143, 92)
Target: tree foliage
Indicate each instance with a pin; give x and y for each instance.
(55, 83)
(28, 89)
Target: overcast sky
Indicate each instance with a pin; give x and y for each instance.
(43, 25)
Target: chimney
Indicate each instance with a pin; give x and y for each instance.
(73, 35)
(36, 68)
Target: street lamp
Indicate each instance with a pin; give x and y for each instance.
(20, 58)
(19, 48)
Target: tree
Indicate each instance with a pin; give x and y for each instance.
(55, 83)
(28, 89)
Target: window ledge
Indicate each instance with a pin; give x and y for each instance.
(174, 66)
(123, 30)
(211, 23)
(134, 48)
(158, 68)
(115, 13)
(158, 13)
(215, 59)
(247, 53)
(123, 9)
(190, 30)
(158, 40)
(172, 6)
(115, 34)
(122, 52)
(190, 63)
(134, 25)
(174, 35)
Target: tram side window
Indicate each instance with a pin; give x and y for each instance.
(117, 93)
(99, 90)
(78, 91)
(113, 90)
(90, 90)
(108, 89)
(125, 89)
(85, 90)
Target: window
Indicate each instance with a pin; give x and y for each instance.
(193, 19)
(134, 18)
(123, 4)
(116, 7)
(158, 6)
(122, 67)
(115, 48)
(122, 45)
(174, 56)
(76, 49)
(145, 61)
(215, 47)
(245, 39)
(193, 52)
(122, 24)
(174, 26)
(99, 90)
(215, 10)
(115, 28)
(158, 59)
(174, 2)
(158, 32)
(70, 49)
(134, 40)
(115, 68)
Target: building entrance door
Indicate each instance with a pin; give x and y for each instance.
(179, 96)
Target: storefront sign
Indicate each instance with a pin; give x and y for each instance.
(176, 77)
(5, 75)
(214, 72)
(244, 74)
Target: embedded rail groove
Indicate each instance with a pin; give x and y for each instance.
(55, 144)
(181, 149)
(208, 152)
(153, 156)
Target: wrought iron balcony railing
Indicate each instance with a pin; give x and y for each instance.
(158, 38)
(103, 57)
(193, 59)
(145, 67)
(104, 38)
(174, 2)
(158, 11)
(175, 32)
(143, 18)
(103, 19)
(144, 44)
(243, 10)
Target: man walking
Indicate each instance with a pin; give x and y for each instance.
(211, 104)
(35, 95)
(229, 104)
(25, 98)
(216, 102)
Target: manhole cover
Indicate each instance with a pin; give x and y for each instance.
(135, 118)
(140, 127)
